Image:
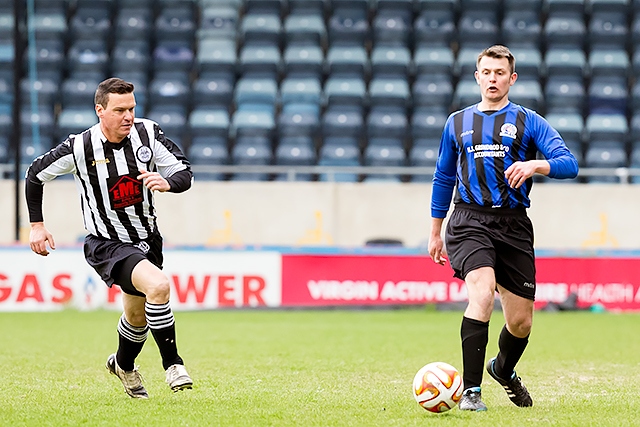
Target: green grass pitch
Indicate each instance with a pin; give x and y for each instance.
(312, 368)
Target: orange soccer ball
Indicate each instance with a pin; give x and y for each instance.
(437, 387)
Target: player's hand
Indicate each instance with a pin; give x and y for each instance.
(39, 237)
(519, 172)
(154, 181)
(437, 251)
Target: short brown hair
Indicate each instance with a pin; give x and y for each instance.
(112, 85)
(498, 51)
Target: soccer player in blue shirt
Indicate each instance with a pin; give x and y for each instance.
(488, 153)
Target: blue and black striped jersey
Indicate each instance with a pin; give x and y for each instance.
(476, 149)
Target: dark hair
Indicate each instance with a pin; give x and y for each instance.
(498, 51)
(112, 85)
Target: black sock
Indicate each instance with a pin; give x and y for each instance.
(131, 339)
(475, 336)
(162, 325)
(511, 349)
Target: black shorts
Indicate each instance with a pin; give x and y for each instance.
(502, 239)
(114, 260)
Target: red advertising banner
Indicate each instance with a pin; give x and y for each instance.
(354, 280)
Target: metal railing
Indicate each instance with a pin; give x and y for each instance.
(623, 174)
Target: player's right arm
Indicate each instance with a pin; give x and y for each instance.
(436, 245)
(56, 162)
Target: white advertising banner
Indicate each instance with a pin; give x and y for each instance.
(199, 280)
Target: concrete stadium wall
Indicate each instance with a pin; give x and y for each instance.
(565, 216)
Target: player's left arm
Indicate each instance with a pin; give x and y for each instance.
(559, 162)
(173, 169)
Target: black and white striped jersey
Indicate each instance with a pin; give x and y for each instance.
(115, 204)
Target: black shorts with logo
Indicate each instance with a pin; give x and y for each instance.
(499, 238)
(114, 260)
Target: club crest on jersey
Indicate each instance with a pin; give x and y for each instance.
(509, 130)
(144, 154)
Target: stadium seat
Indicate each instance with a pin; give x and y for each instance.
(348, 60)
(565, 30)
(172, 122)
(427, 124)
(134, 23)
(435, 28)
(478, 28)
(466, 93)
(433, 60)
(605, 154)
(572, 7)
(298, 122)
(252, 123)
(90, 22)
(209, 122)
(46, 92)
(169, 93)
(527, 93)
(260, 60)
(528, 63)
(466, 64)
(131, 56)
(383, 122)
(210, 151)
(7, 95)
(606, 127)
(570, 125)
(389, 92)
(343, 121)
(274, 7)
(437, 5)
(175, 23)
(75, 121)
(78, 93)
(348, 90)
(390, 60)
(609, 62)
(175, 56)
(261, 28)
(213, 90)
(303, 61)
(348, 26)
(342, 156)
(391, 28)
(251, 153)
(295, 90)
(383, 156)
(607, 95)
(216, 56)
(565, 94)
(218, 22)
(256, 94)
(6, 25)
(522, 28)
(40, 121)
(88, 55)
(295, 155)
(608, 28)
(424, 154)
(433, 92)
(308, 29)
(307, 7)
(565, 62)
(50, 25)
(612, 6)
(523, 5)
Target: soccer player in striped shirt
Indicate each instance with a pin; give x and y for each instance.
(488, 153)
(117, 165)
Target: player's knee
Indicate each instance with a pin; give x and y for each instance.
(136, 317)
(159, 292)
(521, 327)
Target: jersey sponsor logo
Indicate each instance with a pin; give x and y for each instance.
(144, 154)
(466, 132)
(124, 191)
(509, 130)
(143, 246)
(100, 162)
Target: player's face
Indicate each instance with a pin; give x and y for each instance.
(495, 78)
(117, 117)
